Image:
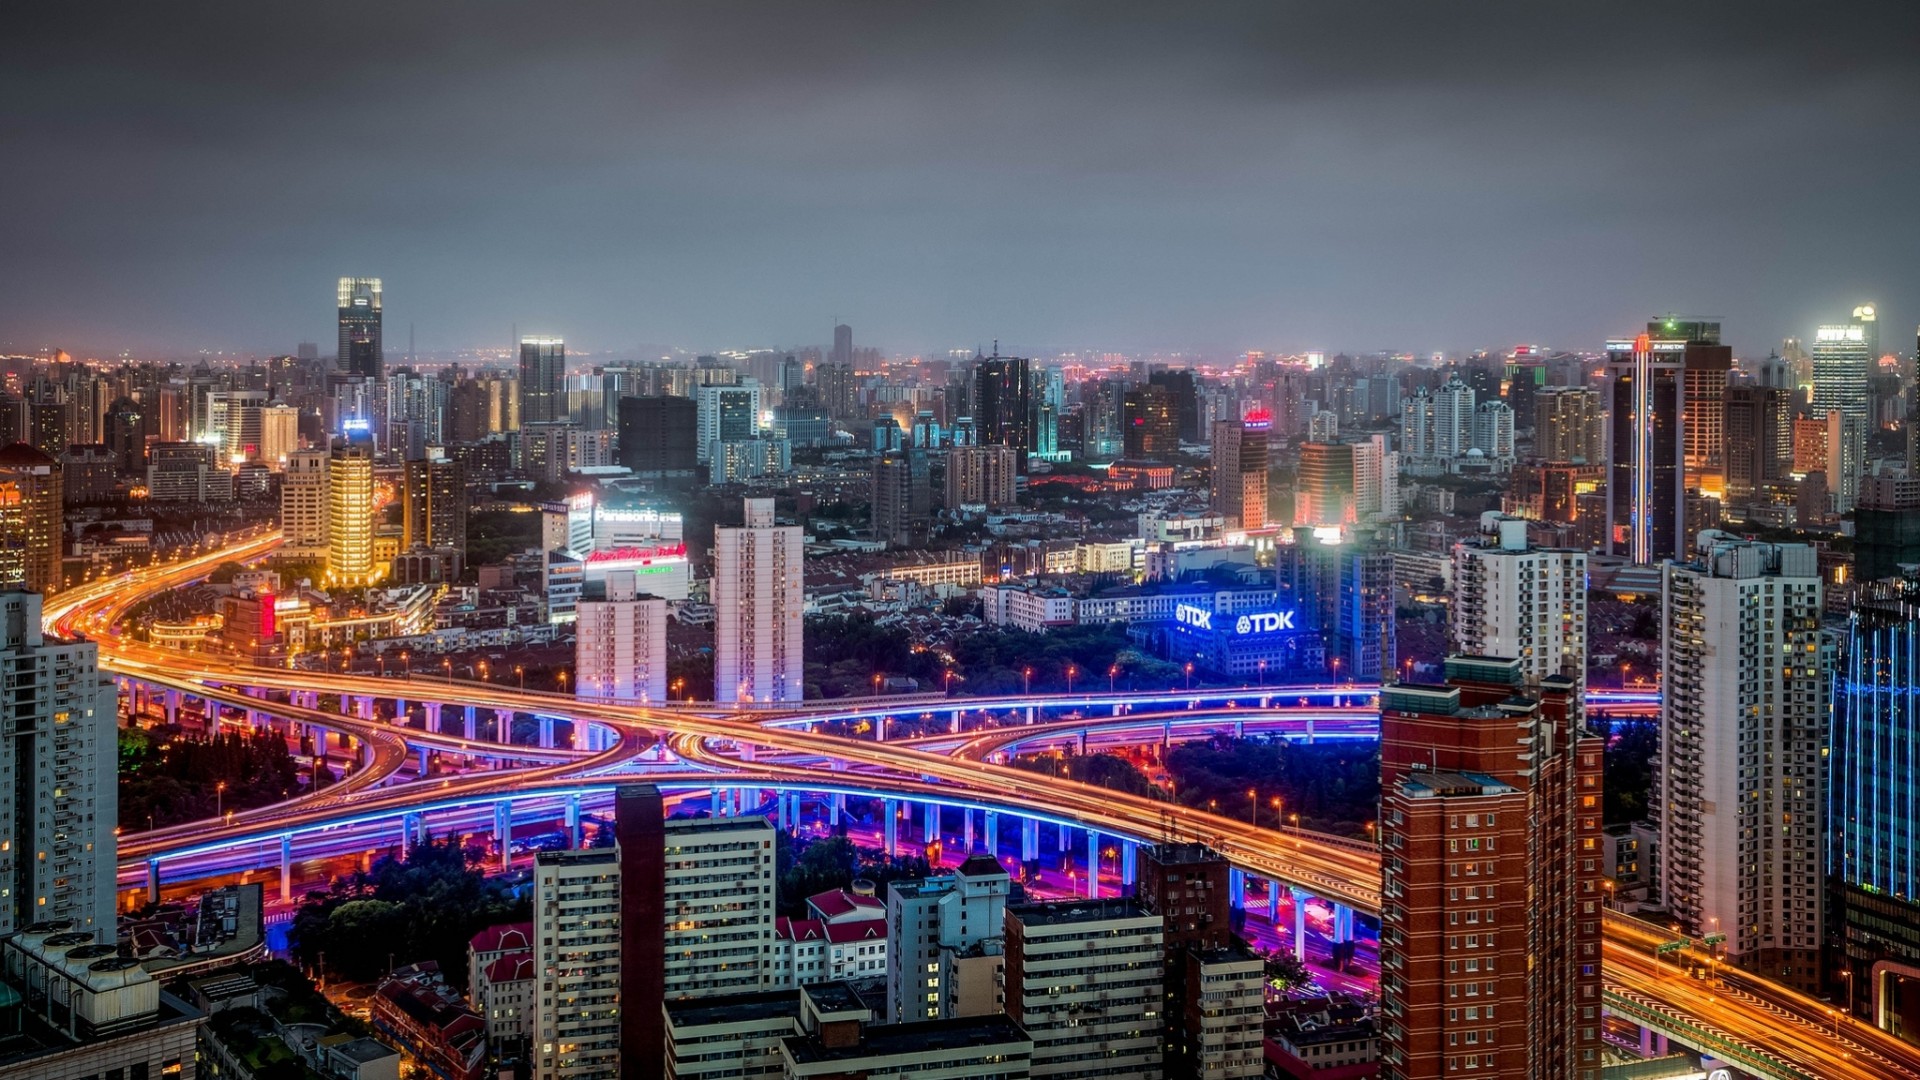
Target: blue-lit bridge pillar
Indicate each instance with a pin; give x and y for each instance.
(713, 809)
(433, 717)
(153, 880)
(780, 820)
(1093, 865)
(411, 826)
(929, 822)
(1299, 897)
(503, 726)
(503, 832)
(1166, 735)
(834, 807)
(953, 723)
(1239, 729)
(1066, 839)
(993, 834)
(1342, 923)
(1309, 731)
(400, 711)
(213, 718)
(1129, 857)
(363, 707)
(1029, 714)
(423, 761)
(1029, 839)
(891, 815)
(546, 733)
(468, 728)
(286, 868)
(1237, 889)
(966, 829)
(879, 729)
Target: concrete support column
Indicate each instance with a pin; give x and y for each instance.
(1083, 742)
(1029, 839)
(503, 832)
(1129, 858)
(409, 826)
(966, 829)
(953, 724)
(1237, 886)
(929, 822)
(891, 814)
(1239, 729)
(503, 726)
(467, 724)
(834, 807)
(1166, 734)
(1652, 1043)
(153, 880)
(286, 869)
(256, 719)
(1116, 708)
(1093, 865)
(346, 704)
(879, 729)
(433, 717)
(713, 809)
(993, 834)
(1029, 714)
(1299, 897)
(363, 707)
(573, 821)
(213, 718)
(546, 733)
(780, 813)
(1342, 923)
(399, 710)
(1309, 731)
(422, 770)
(1066, 839)
(1273, 903)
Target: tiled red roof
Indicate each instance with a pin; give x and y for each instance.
(799, 929)
(864, 930)
(20, 453)
(837, 905)
(512, 967)
(506, 937)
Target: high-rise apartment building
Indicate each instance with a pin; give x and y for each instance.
(1003, 403)
(434, 504)
(1207, 982)
(577, 964)
(1183, 395)
(1844, 355)
(719, 907)
(620, 641)
(1323, 491)
(1646, 449)
(1743, 724)
(725, 414)
(304, 506)
(901, 498)
(1223, 1017)
(1759, 441)
(660, 437)
(351, 510)
(1150, 423)
(1376, 479)
(58, 760)
(1084, 979)
(944, 942)
(1569, 424)
(758, 596)
(1239, 493)
(837, 389)
(1436, 427)
(1513, 599)
(1873, 864)
(543, 380)
(279, 435)
(982, 476)
(1490, 877)
(30, 521)
(360, 349)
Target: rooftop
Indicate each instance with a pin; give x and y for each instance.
(932, 1038)
(1426, 785)
(1075, 911)
(734, 1008)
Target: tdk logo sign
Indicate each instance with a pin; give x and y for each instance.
(1198, 618)
(1265, 622)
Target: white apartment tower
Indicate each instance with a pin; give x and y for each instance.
(1086, 979)
(58, 748)
(1738, 781)
(303, 506)
(576, 964)
(758, 593)
(719, 905)
(620, 641)
(1522, 602)
(944, 938)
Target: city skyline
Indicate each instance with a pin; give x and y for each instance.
(1273, 178)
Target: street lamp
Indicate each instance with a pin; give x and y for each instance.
(219, 797)
(1279, 817)
(1112, 673)
(1263, 674)
(406, 663)
(1070, 673)
(1253, 808)
(522, 672)
(1026, 680)
(949, 677)
(876, 684)
(1189, 674)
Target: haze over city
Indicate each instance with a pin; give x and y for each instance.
(1286, 177)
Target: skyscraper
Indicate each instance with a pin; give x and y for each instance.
(1513, 599)
(30, 521)
(1150, 427)
(350, 509)
(543, 380)
(981, 475)
(1569, 425)
(758, 594)
(901, 498)
(434, 507)
(1759, 441)
(1844, 355)
(842, 344)
(660, 437)
(1323, 490)
(1240, 471)
(304, 505)
(620, 641)
(59, 753)
(1490, 818)
(1646, 449)
(1743, 720)
(726, 414)
(360, 349)
(1183, 394)
(577, 963)
(1003, 403)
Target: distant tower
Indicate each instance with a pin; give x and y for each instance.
(842, 344)
(543, 380)
(360, 351)
(1844, 355)
(1646, 449)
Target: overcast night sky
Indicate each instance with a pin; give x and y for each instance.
(1338, 176)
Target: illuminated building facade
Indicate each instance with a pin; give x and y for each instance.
(350, 509)
(1239, 493)
(1646, 448)
(543, 380)
(1150, 423)
(1324, 492)
(1844, 356)
(620, 641)
(758, 596)
(304, 506)
(360, 352)
(1513, 599)
(30, 521)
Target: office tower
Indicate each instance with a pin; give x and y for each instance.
(1343, 590)
(1844, 356)
(837, 389)
(982, 476)
(1491, 822)
(1743, 720)
(758, 583)
(1493, 434)
(842, 344)
(1003, 403)
(543, 378)
(1874, 860)
(503, 403)
(725, 414)
(467, 419)
(1646, 477)
(660, 437)
(1886, 527)
(434, 507)
(125, 432)
(1150, 427)
(1526, 380)
(577, 963)
(30, 520)
(59, 752)
(620, 641)
(1759, 441)
(1239, 493)
(351, 510)
(640, 836)
(1516, 600)
(1376, 479)
(1323, 492)
(1084, 979)
(360, 350)
(1569, 425)
(279, 435)
(944, 942)
(304, 506)
(1183, 395)
(1705, 367)
(901, 498)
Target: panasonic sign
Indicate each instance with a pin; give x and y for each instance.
(1197, 617)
